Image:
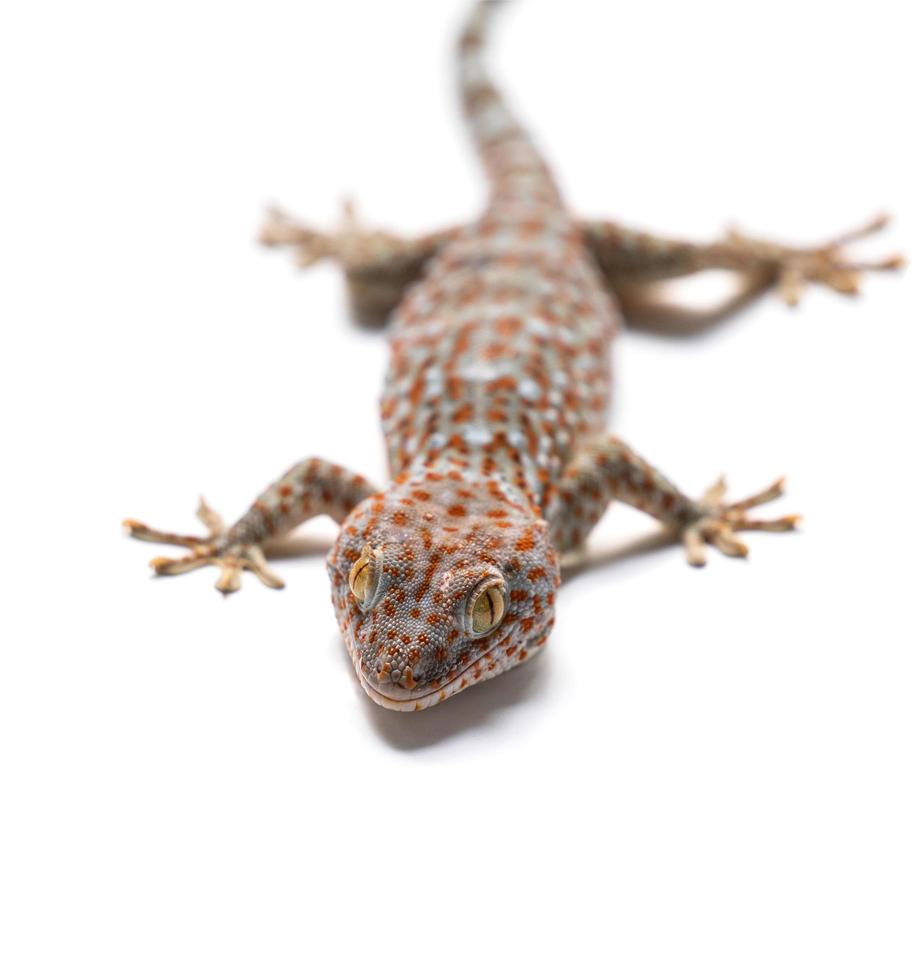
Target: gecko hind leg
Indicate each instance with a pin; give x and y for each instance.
(720, 521)
(630, 258)
(214, 549)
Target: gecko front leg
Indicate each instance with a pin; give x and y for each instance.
(628, 257)
(379, 266)
(608, 469)
(309, 488)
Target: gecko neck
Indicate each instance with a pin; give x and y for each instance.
(501, 471)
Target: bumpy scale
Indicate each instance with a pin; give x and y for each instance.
(493, 413)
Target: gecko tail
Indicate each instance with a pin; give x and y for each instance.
(513, 164)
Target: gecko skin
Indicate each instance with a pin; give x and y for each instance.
(493, 412)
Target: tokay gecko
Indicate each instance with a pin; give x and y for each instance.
(493, 412)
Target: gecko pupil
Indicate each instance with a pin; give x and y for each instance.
(361, 578)
(487, 610)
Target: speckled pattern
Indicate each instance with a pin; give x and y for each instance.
(493, 412)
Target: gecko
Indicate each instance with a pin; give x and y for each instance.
(493, 412)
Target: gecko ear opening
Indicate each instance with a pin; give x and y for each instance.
(365, 576)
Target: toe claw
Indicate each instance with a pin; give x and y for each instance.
(891, 263)
(178, 566)
(772, 492)
(729, 544)
(790, 285)
(268, 578)
(716, 491)
(209, 518)
(257, 563)
(230, 577)
(787, 523)
(877, 223)
(843, 280)
(695, 546)
(142, 532)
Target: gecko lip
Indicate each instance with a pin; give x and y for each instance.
(391, 691)
(391, 694)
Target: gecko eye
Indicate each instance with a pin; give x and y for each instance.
(486, 609)
(365, 575)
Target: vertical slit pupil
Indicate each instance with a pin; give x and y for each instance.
(361, 580)
(483, 612)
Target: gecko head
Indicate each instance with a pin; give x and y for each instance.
(441, 581)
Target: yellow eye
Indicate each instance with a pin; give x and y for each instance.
(487, 610)
(363, 576)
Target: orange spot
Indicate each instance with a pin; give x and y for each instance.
(526, 541)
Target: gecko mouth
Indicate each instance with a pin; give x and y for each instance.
(397, 698)
(392, 696)
(423, 696)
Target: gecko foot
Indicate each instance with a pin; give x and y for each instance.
(352, 244)
(720, 521)
(827, 264)
(310, 246)
(214, 549)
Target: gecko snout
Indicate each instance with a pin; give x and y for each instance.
(390, 675)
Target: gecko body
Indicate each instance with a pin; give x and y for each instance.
(493, 411)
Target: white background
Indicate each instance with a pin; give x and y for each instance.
(708, 774)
